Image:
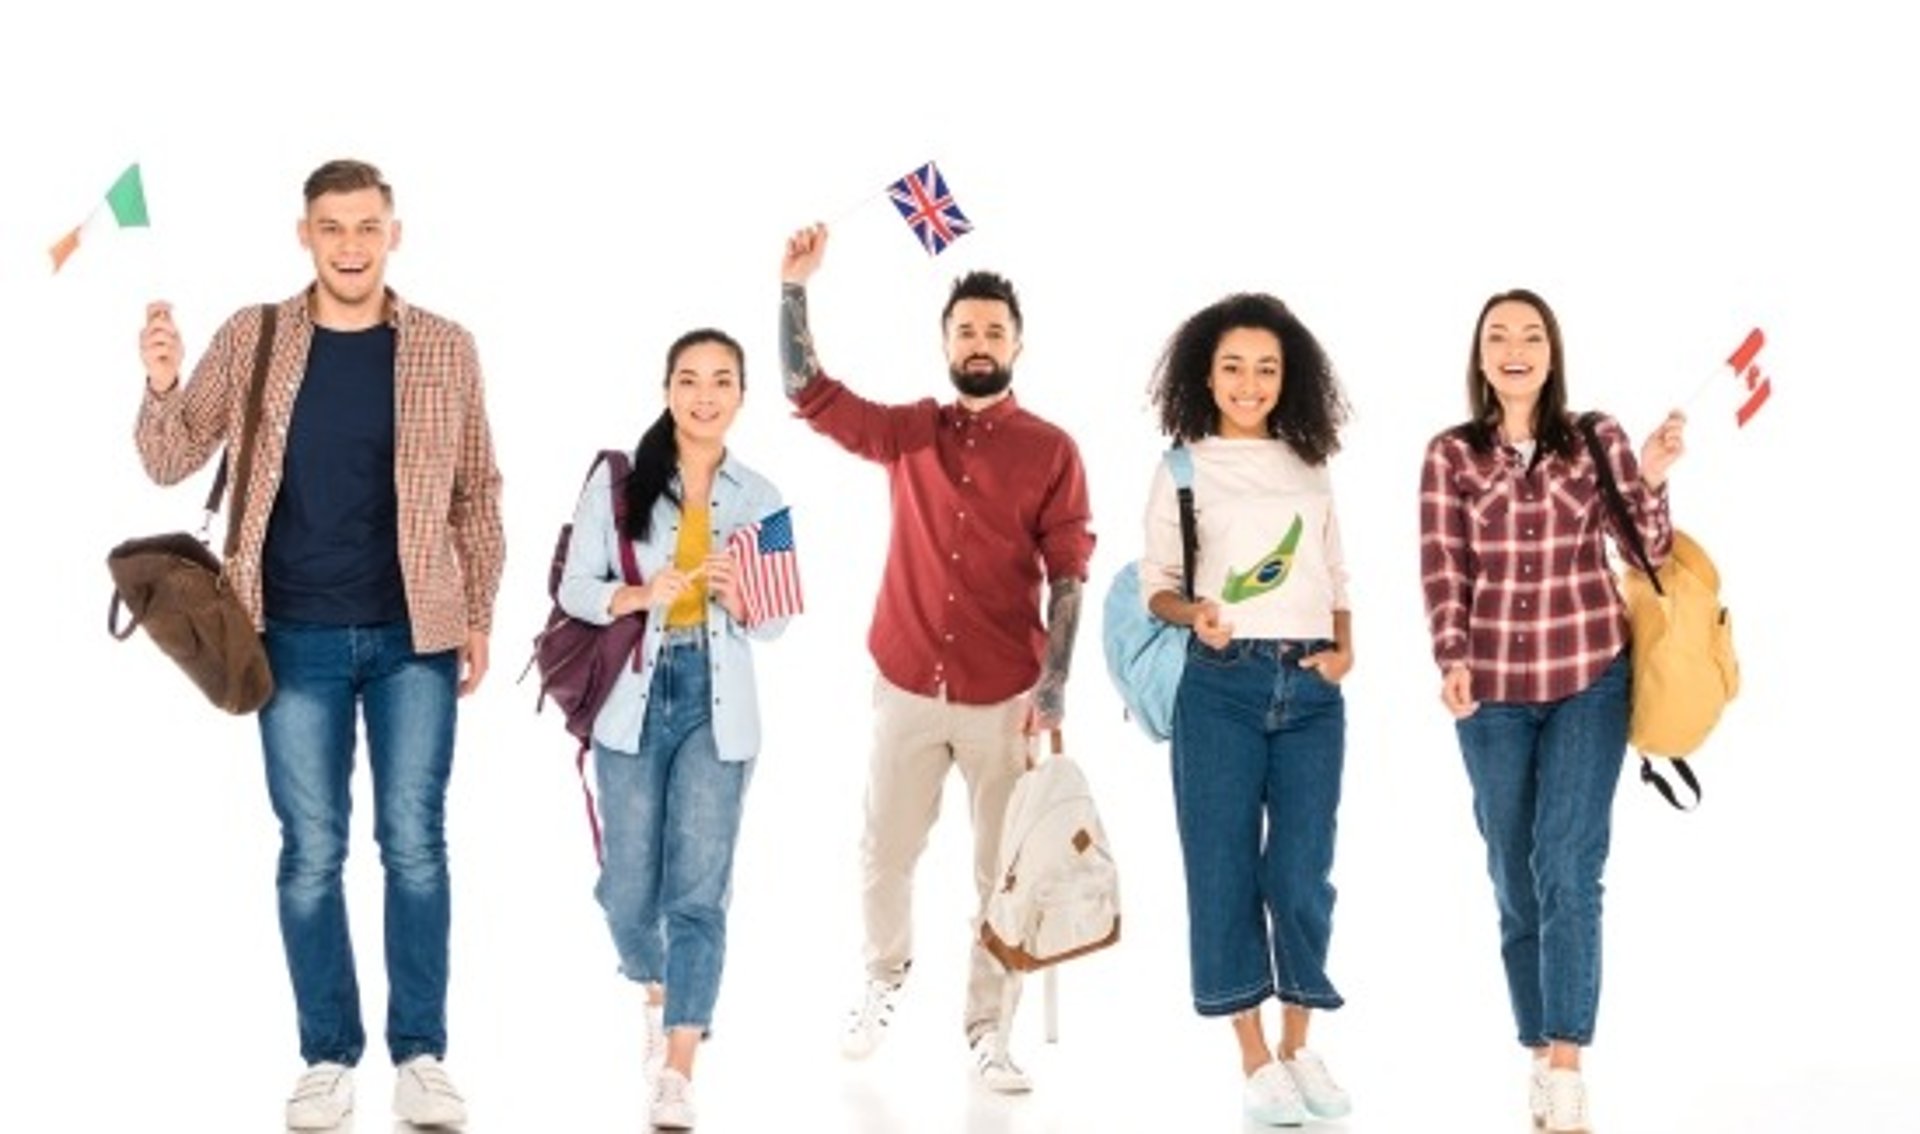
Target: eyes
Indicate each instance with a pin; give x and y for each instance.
(686, 381)
(371, 228)
(1234, 368)
(1531, 338)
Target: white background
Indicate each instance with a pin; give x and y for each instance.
(578, 187)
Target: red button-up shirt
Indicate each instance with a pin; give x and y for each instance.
(985, 506)
(1515, 566)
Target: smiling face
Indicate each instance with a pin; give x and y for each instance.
(1245, 381)
(1516, 354)
(703, 392)
(349, 235)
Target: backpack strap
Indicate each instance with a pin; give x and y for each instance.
(1618, 505)
(618, 469)
(1659, 783)
(1180, 464)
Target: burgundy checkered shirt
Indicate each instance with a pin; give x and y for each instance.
(1515, 568)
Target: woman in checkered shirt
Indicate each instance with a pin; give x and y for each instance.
(1530, 635)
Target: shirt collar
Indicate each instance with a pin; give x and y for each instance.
(394, 313)
(998, 411)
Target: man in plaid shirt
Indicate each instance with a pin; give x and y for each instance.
(369, 551)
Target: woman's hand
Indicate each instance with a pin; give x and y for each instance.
(1331, 664)
(1456, 691)
(1208, 627)
(725, 585)
(1663, 447)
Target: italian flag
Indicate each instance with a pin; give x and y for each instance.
(126, 202)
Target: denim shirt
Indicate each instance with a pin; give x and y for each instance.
(592, 573)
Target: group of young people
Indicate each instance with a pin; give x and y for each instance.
(369, 545)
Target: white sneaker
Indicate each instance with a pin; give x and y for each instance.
(1272, 1099)
(867, 1024)
(1324, 1097)
(1566, 1103)
(1537, 1092)
(424, 1096)
(322, 1098)
(672, 1101)
(996, 1068)
(655, 1055)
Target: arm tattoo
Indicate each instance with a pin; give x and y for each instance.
(1063, 623)
(796, 340)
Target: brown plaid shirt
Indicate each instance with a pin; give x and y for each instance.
(1515, 567)
(452, 547)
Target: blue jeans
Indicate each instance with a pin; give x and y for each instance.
(1543, 782)
(670, 816)
(324, 676)
(1258, 748)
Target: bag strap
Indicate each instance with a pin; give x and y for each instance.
(1609, 488)
(1618, 504)
(1659, 783)
(1180, 464)
(618, 469)
(250, 425)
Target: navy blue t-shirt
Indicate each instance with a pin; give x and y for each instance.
(333, 542)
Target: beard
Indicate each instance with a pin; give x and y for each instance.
(980, 384)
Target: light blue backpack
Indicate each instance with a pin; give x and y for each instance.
(1144, 654)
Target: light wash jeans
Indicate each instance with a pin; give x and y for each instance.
(670, 816)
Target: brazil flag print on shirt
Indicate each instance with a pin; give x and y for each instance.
(1271, 571)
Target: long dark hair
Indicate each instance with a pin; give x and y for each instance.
(1551, 428)
(657, 456)
(1311, 408)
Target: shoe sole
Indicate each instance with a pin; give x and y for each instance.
(1269, 1117)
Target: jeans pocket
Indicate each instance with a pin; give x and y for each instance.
(1226, 657)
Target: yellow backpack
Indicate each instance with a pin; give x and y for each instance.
(1684, 667)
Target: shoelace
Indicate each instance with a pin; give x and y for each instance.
(1566, 1103)
(671, 1090)
(876, 1009)
(1317, 1077)
(316, 1081)
(433, 1080)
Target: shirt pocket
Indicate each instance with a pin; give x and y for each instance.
(1488, 498)
(1574, 496)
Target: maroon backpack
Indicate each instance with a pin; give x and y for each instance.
(579, 661)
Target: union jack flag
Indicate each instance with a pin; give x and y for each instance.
(769, 569)
(930, 210)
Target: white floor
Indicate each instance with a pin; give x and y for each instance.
(1759, 971)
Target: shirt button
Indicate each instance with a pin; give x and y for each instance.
(949, 596)
(956, 555)
(949, 637)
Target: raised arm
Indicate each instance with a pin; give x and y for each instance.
(799, 364)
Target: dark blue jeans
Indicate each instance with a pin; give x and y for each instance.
(324, 678)
(1543, 783)
(1258, 749)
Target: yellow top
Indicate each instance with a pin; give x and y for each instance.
(690, 609)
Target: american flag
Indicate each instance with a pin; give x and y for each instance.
(922, 198)
(769, 569)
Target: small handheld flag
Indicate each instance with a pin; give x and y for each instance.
(769, 568)
(929, 209)
(1744, 368)
(127, 202)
